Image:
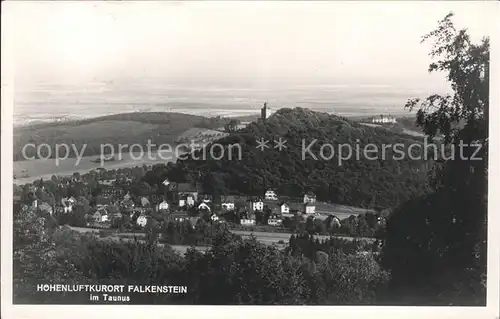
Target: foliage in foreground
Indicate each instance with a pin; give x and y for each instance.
(436, 244)
(233, 271)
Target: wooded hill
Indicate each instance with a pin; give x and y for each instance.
(367, 183)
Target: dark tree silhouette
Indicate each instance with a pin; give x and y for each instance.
(436, 244)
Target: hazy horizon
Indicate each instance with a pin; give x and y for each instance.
(69, 54)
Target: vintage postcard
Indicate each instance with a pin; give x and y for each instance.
(247, 154)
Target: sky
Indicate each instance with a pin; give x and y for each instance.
(237, 43)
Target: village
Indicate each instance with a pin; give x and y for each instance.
(118, 205)
(189, 204)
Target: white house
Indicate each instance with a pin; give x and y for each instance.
(68, 204)
(247, 222)
(228, 206)
(285, 209)
(384, 119)
(142, 220)
(190, 200)
(187, 200)
(163, 205)
(228, 202)
(309, 208)
(105, 218)
(258, 205)
(182, 202)
(101, 216)
(270, 195)
(274, 222)
(204, 206)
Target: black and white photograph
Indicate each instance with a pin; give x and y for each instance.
(250, 153)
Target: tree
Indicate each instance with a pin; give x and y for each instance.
(320, 226)
(259, 217)
(311, 229)
(436, 244)
(152, 232)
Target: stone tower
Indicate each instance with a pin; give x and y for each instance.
(265, 112)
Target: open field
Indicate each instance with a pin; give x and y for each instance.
(101, 129)
(118, 129)
(199, 133)
(273, 238)
(130, 236)
(341, 211)
(266, 238)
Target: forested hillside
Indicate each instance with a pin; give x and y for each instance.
(377, 183)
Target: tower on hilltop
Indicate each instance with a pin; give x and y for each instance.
(265, 111)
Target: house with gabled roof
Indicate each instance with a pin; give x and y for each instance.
(309, 197)
(142, 220)
(187, 200)
(163, 206)
(270, 195)
(275, 220)
(255, 204)
(107, 182)
(204, 206)
(384, 119)
(101, 215)
(228, 202)
(247, 222)
(284, 208)
(67, 204)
